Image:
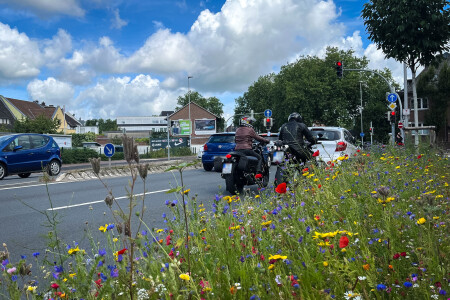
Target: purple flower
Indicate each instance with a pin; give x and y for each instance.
(381, 287)
(308, 229)
(102, 252)
(114, 273)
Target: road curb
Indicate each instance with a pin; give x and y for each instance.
(116, 171)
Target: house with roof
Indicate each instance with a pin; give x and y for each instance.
(12, 110)
(202, 123)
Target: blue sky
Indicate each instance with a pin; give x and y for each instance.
(110, 58)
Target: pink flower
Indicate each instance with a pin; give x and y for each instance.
(11, 270)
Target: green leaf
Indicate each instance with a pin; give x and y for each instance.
(174, 190)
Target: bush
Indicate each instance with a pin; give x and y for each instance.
(77, 155)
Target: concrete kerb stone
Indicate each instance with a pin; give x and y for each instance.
(118, 171)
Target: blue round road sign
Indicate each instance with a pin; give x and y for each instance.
(361, 134)
(109, 150)
(267, 113)
(392, 97)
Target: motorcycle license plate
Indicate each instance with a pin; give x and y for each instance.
(226, 169)
(278, 157)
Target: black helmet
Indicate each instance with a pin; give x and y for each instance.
(248, 120)
(296, 116)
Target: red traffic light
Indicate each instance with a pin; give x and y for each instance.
(268, 120)
(392, 113)
(339, 64)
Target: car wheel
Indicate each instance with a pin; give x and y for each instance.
(2, 171)
(24, 175)
(208, 167)
(54, 167)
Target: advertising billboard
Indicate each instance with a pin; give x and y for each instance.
(205, 126)
(156, 144)
(181, 127)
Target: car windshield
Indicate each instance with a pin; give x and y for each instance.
(4, 138)
(221, 139)
(325, 135)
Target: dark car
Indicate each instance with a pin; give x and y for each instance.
(215, 149)
(23, 154)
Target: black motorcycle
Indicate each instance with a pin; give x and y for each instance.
(239, 170)
(284, 159)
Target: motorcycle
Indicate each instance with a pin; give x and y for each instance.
(284, 158)
(239, 170)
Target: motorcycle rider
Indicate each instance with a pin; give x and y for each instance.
(244, 139)
(292, 133)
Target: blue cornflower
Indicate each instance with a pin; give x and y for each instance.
(36, 254)
(58, 269)
(167, 202)
(102, 252)
(14, 277)
(114, 273)
(300, 239)
(162, 270)
(308, 229)
(381, 287)
(407, 284)
(442, 292)
(104, 277)
(166, 265)
(110, 226)
(164, 215)
(23, 256)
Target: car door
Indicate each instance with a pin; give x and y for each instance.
(19, 160)
(41, 151)
(350, 140)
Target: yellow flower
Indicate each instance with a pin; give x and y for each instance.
(235, 227)
(201, 210)
(421, 221)
(325, 264)
(277, 256)
(271, 267)
(257, 196)
(72, 275)
(266, 223)
(74, 250)
(115, 240)
(185, 277)
(31, 288)
(186, 191)
(103, 228)
(203, 230)
(435, 218)
(159, 230)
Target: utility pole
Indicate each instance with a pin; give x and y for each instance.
(361, 111)
(168, 137)
(405, 99)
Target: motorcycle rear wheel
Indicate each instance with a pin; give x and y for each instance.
(232, 186)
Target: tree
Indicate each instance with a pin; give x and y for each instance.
(39, 125)
(410, 31)
(310, 87)
(103, 125)
(212, 104)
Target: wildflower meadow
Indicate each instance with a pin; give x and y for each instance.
(372, 226)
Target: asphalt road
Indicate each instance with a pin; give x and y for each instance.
(80, 205)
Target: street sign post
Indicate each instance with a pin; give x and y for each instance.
(109, 151)
(267, 113)
(392, 97)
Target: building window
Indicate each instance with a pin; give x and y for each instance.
(422, 103)
(421, 131)
(4, 121)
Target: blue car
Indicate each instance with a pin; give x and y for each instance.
(27, 153)
(215, 149)
(219, 145)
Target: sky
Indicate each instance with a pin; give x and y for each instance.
(112, 58)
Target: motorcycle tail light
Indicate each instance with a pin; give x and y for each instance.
(341, 146)
(228, 156)
(205, 147)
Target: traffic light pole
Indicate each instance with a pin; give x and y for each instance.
(392, 91)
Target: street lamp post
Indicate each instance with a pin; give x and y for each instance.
(190, 125)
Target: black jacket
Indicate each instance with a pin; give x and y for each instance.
(292, 133)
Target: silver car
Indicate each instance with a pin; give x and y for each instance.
(334, 142)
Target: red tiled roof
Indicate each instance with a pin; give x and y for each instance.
(30, 109)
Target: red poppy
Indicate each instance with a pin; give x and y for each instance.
(316, 153)
(305, 170)
(319, 186)
(281, 188)
(419, 156)
(258, 176)
(120, 252)
(55, 286)
(396, 256)
(403, 254)
(343, 242)
(168, 240)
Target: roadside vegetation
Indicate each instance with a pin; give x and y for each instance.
(374, 226)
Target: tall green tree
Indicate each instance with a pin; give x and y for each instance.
(410, 31)
(41, 124)
(310, 87)
(211, 104)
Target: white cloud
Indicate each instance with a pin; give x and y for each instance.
(124, 96)
(19, 56)
(45, 8)
(117, 22)
(51, 91)
(56, 48)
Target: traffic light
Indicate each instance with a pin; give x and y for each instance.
(268, 122)
(371, 130)
(392, 119)
(339, 69)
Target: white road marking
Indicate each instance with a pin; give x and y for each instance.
(99, 201)
(32, 185)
